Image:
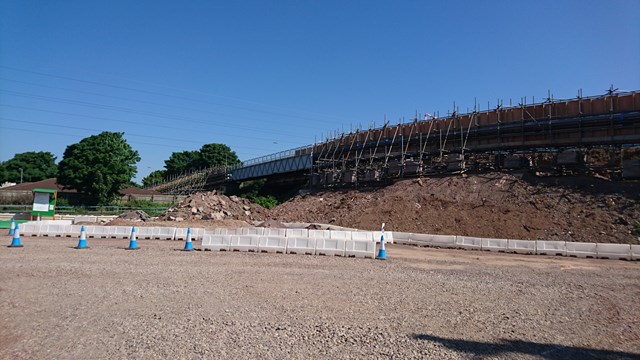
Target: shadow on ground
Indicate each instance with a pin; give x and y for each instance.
(514, 347)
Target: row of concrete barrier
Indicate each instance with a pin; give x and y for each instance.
(335, 242)
(290, 245)
(538, 247)
(65, 229)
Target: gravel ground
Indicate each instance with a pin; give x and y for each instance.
(105, 302)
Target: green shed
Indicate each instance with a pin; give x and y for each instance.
(44, 203)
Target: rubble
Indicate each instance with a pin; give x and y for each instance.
(213, 206)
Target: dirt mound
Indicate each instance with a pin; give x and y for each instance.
(137, 215)
(213, 206)
(488, 205)
(272, 224)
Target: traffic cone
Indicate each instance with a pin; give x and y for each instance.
(82, 243)
(133, 244)
(188, 246)
(382, 253)
(12, 228)
(16, 238)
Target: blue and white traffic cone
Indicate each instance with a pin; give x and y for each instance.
(82, 243)
(382, 253)
(133, 244)
(188, 246)
(12, 228)
(16, 238)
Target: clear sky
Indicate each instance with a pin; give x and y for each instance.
(266, 76)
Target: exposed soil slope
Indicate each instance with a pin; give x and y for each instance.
(488, 205)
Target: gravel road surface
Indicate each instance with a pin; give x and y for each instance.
(158, 302)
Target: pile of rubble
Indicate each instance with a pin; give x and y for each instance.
(137, 215)
(213, 206)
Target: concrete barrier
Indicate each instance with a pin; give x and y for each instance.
(635, 252)
(444, 241)
(360, 249)
(252, 231)
(73, 231)
(272, 244)
(302, 246)
(54, 230)
(402, 238)
(544, 247)
(277, 232)
(31, 228)
(164, 233)
(362, 236)
(85, 219)
(330, 247)
(244, 243)
(497, 245)
(119, 232)
(144, 233)
(216, 242)
(614, 251)
(388, 236)
(181, 234)
(521, 246)
(340, 235)
(581, 249)
(468, 243)
(297, 233)
(319, 234)
(97, 231)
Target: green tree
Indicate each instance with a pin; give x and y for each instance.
(155, 177)
(180, 162)
(98, 166)
(3, 173)
(35, 166)
(217, 155)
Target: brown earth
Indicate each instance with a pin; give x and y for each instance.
(488, 205)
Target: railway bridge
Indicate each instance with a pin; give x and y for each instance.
(581, 135)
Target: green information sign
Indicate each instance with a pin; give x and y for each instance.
(44, 203)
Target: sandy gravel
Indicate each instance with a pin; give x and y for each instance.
(158, 302)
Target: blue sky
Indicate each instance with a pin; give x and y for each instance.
(266, 76)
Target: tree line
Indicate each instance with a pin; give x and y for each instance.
(100, 165)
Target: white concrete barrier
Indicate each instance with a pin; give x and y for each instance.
(362, 236)
(302, 246)
(544, 247)
(144, 233)
(272, 244)
(403, 238)
(614, 251)
(319, 234)
(54, 230)
(340, 235)
(469, 242)
(244, 243)
(277, 232)
(164, 233)
(581, 249)
(181, 234)
(84, 219)
(361, 249)
(635, 252)
(297, 233)
(216, 242)
(31, 228)
(388, 236)
(497, 245)
(330, 247)
(119, 232)
(74, 231)
(521, 246)
(444, 241)
(252, 231)
(96, 231)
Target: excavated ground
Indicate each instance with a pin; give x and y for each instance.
(488, 205)
(161, 303)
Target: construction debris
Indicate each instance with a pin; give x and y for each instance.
(213, 206)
